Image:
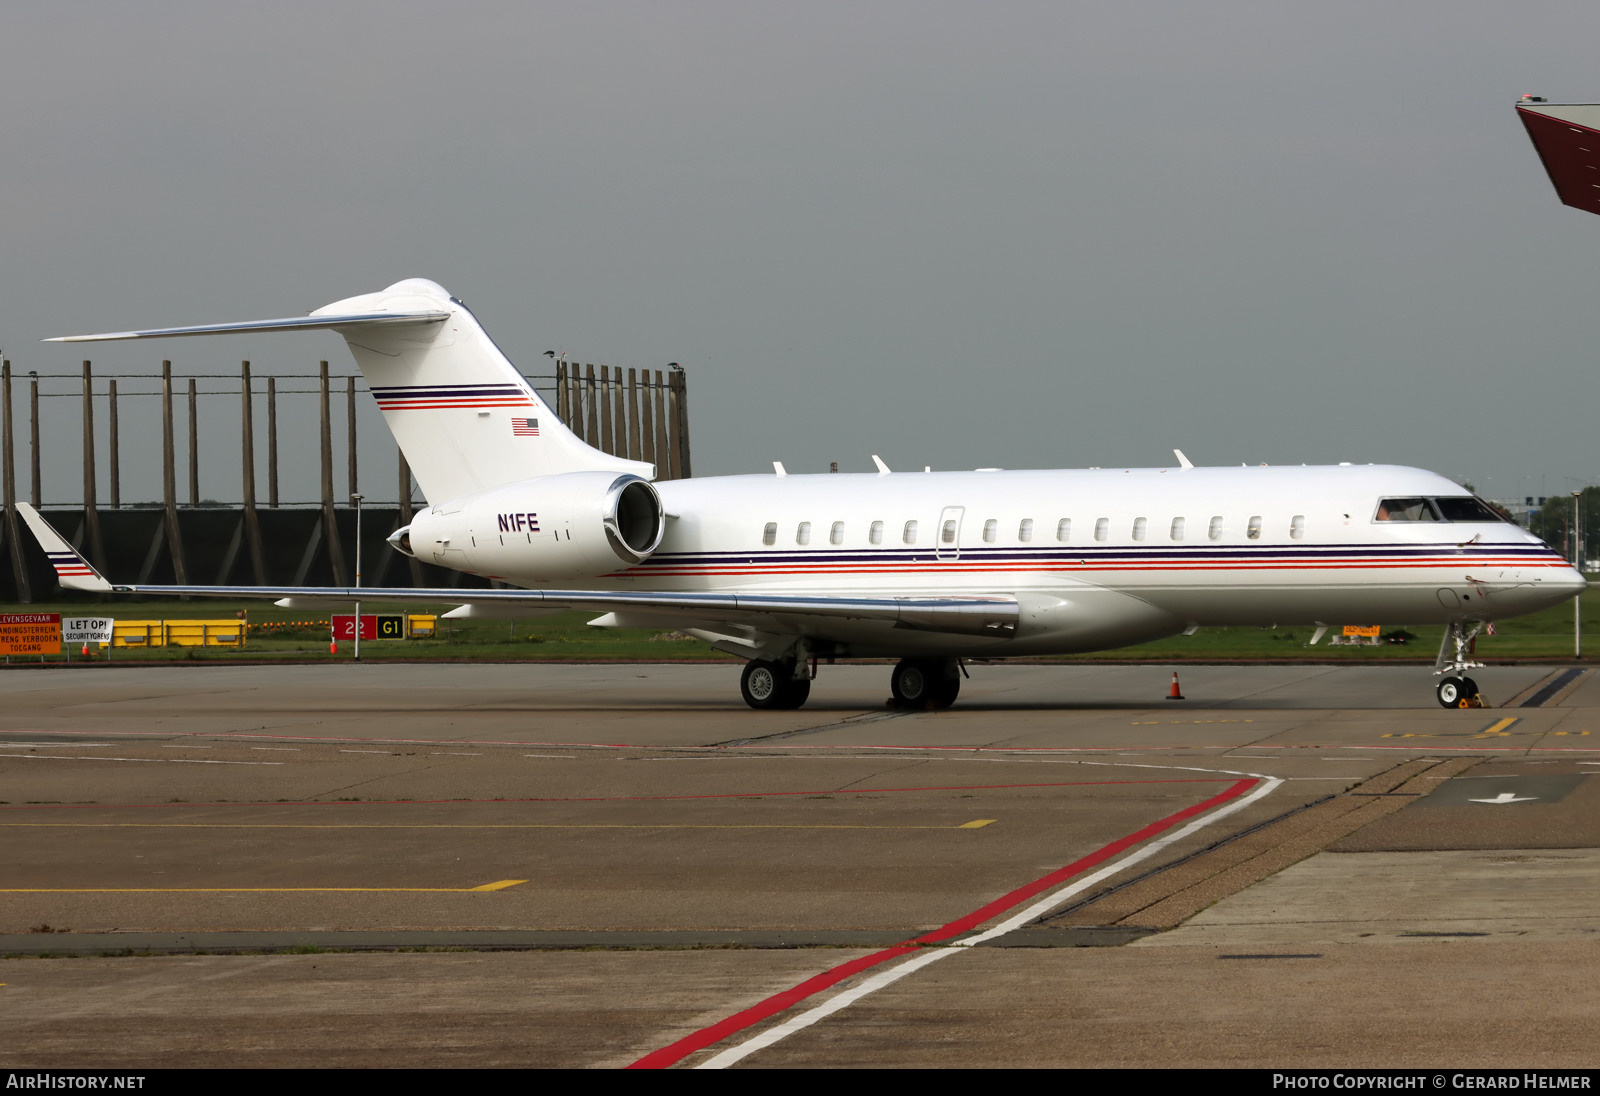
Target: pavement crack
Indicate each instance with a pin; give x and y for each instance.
(375, 779)
(853, 721)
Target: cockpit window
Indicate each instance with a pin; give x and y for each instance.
(1467, 508)
(1450, 508)
(1406, 510)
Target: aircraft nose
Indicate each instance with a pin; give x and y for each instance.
(1529, 589)
(1553, 586)
(1570, 581)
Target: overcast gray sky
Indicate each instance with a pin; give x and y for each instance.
(956, 234)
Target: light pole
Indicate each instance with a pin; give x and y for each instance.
(1577, 561)
(355, 500)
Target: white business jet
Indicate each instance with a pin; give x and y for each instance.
(930, 568)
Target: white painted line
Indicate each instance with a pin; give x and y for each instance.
(366, 751)
(51, 745)
(279, 749)
(156, 760)
(716, 757)
(933, 955)
(564, 757)
(453, 753)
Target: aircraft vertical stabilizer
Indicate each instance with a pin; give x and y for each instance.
(466, 420)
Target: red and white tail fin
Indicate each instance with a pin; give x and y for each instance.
(72, 570)
(465, 418)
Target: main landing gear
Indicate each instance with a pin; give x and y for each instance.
(1455, 689)
(785, 684)
(925, 682)
(774, 685)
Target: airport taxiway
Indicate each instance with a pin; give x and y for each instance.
(1310, 863)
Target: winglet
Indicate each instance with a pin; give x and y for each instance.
(72, 570)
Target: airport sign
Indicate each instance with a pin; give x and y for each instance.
(373, 626)
(30, 633)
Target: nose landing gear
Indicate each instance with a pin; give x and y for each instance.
(1458, 692)
(1455, 689)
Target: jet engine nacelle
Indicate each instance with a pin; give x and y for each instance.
(550, 529)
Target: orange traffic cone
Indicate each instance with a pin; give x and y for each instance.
(1175, 694)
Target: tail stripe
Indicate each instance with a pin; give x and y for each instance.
(70, 565)
(429, 396)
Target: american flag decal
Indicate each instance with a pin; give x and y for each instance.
(524, 428)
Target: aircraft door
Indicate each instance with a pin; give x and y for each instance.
(947, 537)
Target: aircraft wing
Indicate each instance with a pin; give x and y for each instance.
(1567, 137)
(985, 616)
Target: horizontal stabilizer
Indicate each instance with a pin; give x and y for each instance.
(292, 323)
(72, 570)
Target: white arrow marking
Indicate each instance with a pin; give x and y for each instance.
(1506, 797)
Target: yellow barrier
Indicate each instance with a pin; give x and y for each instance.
(178, 633)
(419, 625)
(206, 633)
(138, 633)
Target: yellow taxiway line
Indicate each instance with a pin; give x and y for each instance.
(496, 886)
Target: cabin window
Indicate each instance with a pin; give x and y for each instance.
(1102, 528)
(1297, 527)
(947, 534)
(1414, 509)
(1215, 529)
(769, 535)
(1025, 530)
(1063, 529)
(1177, 528)
(875, 533)
(1139, 527)
(802, 535)
(836, 534)
(1253, 531)
(991, 529)
(910, 535)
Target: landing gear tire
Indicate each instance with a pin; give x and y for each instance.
(1452, 690)
(924, 683)
(797, 695)
(772, 686)
(1469, 689)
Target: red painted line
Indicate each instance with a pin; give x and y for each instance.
(612, 798)
(732, 1025)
